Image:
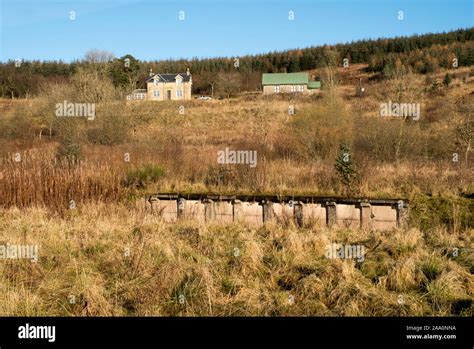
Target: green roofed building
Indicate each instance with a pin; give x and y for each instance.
(289, 83)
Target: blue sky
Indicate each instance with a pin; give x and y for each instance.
(151, 29)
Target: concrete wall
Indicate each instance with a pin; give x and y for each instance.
(314, 214)
(251, 214)
(347, 216)
(167, 209)
(378, 215)
(383, 216)
(192, 209)
(223, 211)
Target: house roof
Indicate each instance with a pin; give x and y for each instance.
(284, 78)
(170, 77)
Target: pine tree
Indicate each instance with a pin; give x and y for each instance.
(345, 166)
(447, 80)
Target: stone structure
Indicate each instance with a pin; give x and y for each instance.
(254, 211)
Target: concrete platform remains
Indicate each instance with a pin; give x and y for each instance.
(254, 211)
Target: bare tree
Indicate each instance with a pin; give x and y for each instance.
(464, 134)
(403, 89)
(98, 56)
(228, 83)
(330, 79)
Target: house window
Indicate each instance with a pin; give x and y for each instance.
(155, 82)
(276, 88)
(179, 93)
(156, 93)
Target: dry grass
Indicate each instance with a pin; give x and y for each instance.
(39, 180)
(190, 269)
(296, 154)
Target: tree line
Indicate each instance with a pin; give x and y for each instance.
(225, 75)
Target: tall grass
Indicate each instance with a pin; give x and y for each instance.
(54, 184)
(113, 261)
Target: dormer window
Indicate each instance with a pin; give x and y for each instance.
(155, 80)
(179, 79)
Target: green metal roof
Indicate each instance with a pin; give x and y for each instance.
(314, 84)
(284, 78)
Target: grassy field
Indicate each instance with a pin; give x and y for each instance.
(106, 260)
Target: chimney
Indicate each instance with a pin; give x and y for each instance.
(151, 72)
(188, 72)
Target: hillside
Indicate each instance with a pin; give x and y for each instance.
(421, 53)
(76, 187)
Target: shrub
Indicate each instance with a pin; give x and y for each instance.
(111, 126)
(345, 167)
(430, 212)
(140, 177)
(447, 79)
(320, 130)
(69, 148)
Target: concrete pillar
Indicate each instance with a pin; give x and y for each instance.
(267, 210)
(402, 214)
(331, 216)
(152, 200)
(181, 207)
(365, 215)
(298, 213)
(209, 210)
(237, 210)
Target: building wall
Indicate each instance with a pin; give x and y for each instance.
(270, 89)
(164, 87)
